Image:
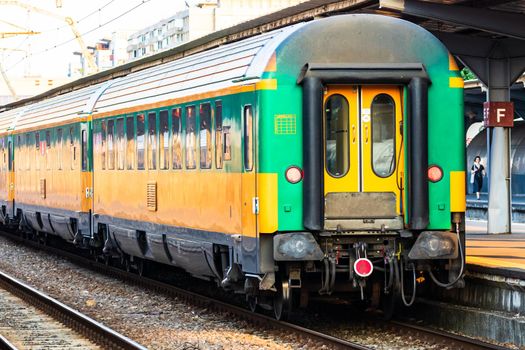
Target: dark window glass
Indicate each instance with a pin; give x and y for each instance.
(10, 155)
(383, 135)
(19, 150)
(218, 135)
(121, 144)
(176, 132)
(227, 143)
(60, 145)
(73, 147)
(152, 141)
(130, 148)
(191, 150)
(111, 144)
(248, 138)
(103, 133)
(205, 136)
(140, 141)
(48, 150)
(37, 153)
(164, 135)
(336, 139)
(28, 151)
(84, 151)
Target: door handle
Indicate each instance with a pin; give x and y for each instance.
(366, 133)
(353, 133)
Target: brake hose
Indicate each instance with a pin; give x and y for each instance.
(461, 254)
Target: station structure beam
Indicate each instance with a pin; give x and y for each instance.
(498, 63)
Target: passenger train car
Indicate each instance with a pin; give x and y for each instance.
(321, 159)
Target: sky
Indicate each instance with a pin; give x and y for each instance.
(49, 53)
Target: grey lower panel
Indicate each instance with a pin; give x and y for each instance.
(356, 205)
(31, 220)
(63, 226)
(189, 249)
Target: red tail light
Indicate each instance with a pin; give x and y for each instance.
(294, 174)
(435, 173)
(363, 267)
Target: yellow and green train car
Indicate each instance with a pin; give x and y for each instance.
(323, 158)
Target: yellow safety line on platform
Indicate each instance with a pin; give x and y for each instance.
(496, 263)
(495, 244)
(514, 252)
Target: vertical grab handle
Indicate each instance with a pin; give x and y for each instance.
(354, 133)
(366, 133)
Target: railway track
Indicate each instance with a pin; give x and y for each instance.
(33, 320)
(444, 339)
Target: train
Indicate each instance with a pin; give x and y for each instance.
(325, 159)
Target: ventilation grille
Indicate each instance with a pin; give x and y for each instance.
(43, 188)
(151, 196)
(285, 124)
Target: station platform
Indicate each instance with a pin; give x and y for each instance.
(497, 254)
(477, 208)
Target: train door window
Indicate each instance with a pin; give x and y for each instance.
(191, 152)
(111, 144)
(130, 146)
(248, 138)
(48, 150)
(121, 144)
(103, 131)
(337, 152)
(218, 134)
(227, 143)
(28, 151)
(2, 148)
(205, 135)
(152, 141)
(59, 147)
(164, 134)
(176, 132)
(73, 147)
(140, 141)
(84, 139)
(383, 135)
(37, 151)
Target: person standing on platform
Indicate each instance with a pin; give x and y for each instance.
(477, 172)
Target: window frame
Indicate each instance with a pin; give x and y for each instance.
(186, 136)
(325, 123)
(163, 140)
(177, 165)
(394, 140)
(208, 147)
(248, 154)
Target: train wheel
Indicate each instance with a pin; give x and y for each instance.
(282, 303)
(252, 303)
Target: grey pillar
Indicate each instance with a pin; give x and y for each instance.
(500, 198)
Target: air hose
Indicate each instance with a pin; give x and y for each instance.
(462, 256)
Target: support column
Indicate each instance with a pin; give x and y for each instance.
(500, 198)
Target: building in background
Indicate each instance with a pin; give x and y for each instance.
(28, 86)
(201, 18)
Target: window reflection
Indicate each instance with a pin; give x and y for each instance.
(383, 135)
(336, 128)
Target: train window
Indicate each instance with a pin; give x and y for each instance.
(103, 145)
(152, 141)
(383, 135)
(248, 138)
(218, 134)
(191, 151)
(227, 143)
(37, 152)
(59, 148)
(10, 155)
(28, 151)
(73, 147)
(336, 139)
(19, 146)
(130, 147)
(84, 150)
(176, 132)
(48, 150)
(140, 141)
(111, 144)
(121, 144)
(164, 134)
(205, 135)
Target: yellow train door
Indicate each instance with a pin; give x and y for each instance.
(363, 157)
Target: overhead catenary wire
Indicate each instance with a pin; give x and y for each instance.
(82, 34)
